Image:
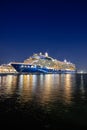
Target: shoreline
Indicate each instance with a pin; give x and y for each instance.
(17, 73)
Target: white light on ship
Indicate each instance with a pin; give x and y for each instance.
(46, 54)
(65, 60)
(81, 72)
(40, 53)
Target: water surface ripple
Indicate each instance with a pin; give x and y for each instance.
(44, 101)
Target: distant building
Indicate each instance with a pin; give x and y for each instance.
(7, 68)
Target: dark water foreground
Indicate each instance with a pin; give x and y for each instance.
(43, 101)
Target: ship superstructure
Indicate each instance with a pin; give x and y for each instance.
(39, 63)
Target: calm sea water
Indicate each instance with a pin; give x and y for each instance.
(44, 101)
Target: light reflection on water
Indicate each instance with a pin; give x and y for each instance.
(42, 88)
(8, 85)
(51, 100)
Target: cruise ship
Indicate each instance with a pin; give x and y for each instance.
(43, 63)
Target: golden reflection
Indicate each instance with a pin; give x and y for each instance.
(41, 79)
(8, 83)
(44, 88)
(57, 86)
(40, 86)
(0, 82)
(67, 88)
(47, 88)
(35, 83)
(25, 87)
(20, 83)
(11, 82)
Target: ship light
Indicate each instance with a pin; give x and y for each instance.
(22, 66)
(65, 61)
(35, 66)
(81, 72)
(46, 54)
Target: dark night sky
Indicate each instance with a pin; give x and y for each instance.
(28, 27)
